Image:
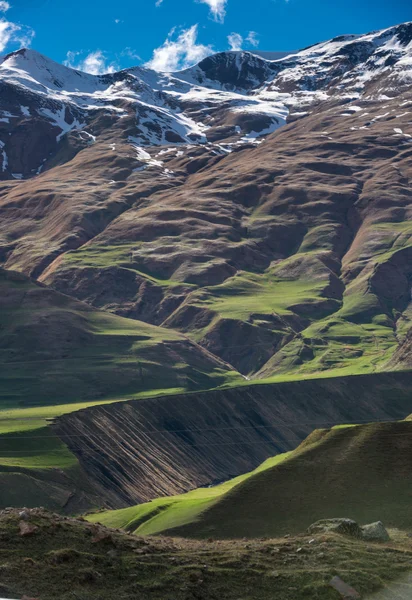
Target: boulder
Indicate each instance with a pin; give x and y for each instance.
(342, 526)
(375, 532)
(26, 529)
(346, 591)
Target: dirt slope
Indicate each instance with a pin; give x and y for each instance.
(66, 558)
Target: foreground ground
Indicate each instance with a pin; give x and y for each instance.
(70, 559)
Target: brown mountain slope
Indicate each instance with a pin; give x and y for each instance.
(246, 254)
(402, 358)
(278, 252)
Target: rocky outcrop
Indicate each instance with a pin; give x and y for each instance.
(373, 532)
(342, 526)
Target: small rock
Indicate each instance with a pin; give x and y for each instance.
(141, 551)
(274, 574)
(26, 529)
(342, 526)
(24, 515)
(285, 549)
(375, 532)
(346, 591)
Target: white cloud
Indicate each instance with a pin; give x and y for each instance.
(159, 2)
(217, 8)
(7, 31)
(252, 38)
(235, 41)
(94, 63)
(130, 53)
(180, 53)
(11, 33)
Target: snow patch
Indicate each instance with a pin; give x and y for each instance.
(5, 160)
(58, 120)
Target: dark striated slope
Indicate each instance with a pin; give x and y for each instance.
(136, 451)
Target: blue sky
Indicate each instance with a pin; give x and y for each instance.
(99, 35)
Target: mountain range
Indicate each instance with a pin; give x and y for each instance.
(198, 269)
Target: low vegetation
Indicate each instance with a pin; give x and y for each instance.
(48, 557)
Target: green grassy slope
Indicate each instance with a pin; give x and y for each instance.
(36, 449)
(55, 350)
(69, 559)
(173, 511)
(299, 319)
(360, 472)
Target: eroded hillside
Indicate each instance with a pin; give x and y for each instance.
(136, 451)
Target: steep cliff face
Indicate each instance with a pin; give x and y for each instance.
(135, 451)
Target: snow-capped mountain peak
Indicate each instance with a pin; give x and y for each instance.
(229, 98)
